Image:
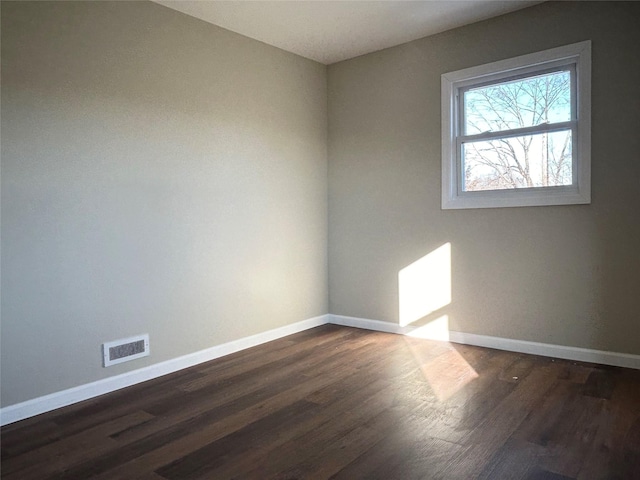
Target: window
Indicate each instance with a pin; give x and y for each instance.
(517, 132)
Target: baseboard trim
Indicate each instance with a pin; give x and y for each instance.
(366, 324)
(522, 346)
(46, 403)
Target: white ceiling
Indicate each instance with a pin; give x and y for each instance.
(331, 31)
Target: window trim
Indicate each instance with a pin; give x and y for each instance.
(576, 56)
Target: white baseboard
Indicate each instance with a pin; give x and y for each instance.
(522, 346)
(366, 324)
(36, 406)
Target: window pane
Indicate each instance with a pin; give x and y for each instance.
(541, 160)
(525, 102)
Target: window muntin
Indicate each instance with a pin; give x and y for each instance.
(517, 132)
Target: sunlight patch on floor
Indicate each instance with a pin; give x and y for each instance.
(447, 373)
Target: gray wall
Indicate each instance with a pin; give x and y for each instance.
(162, 175)
(566, 275)
(159, 175)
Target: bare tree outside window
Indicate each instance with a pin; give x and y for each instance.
(513, 160)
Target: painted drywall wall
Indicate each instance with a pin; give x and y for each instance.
(565, 275)
(159, 175)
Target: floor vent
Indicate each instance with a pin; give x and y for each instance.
(125, 349)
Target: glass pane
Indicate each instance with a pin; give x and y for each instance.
(526, 102)
(541, 160)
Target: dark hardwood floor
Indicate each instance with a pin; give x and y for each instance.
(342, 403)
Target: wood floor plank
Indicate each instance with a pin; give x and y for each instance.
(284, 444)
(615, 452)
(56, 457)
(540, 474)
(235, 395)
(203, 461)
(345, 404)
(574, 435)
(452, 420)
(501, 422)
(539, 426)
(160, 449)
(301, 450)
(28, 437)
(408, 451)
(516, 459)
(269, 361)
(342, 403)
(324, 463)
(600, 384)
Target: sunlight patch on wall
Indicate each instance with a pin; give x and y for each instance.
(425, 285)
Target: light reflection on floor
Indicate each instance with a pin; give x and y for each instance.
(445, 373)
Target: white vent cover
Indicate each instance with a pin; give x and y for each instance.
(125, 349)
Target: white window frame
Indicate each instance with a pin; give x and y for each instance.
(577, 57)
